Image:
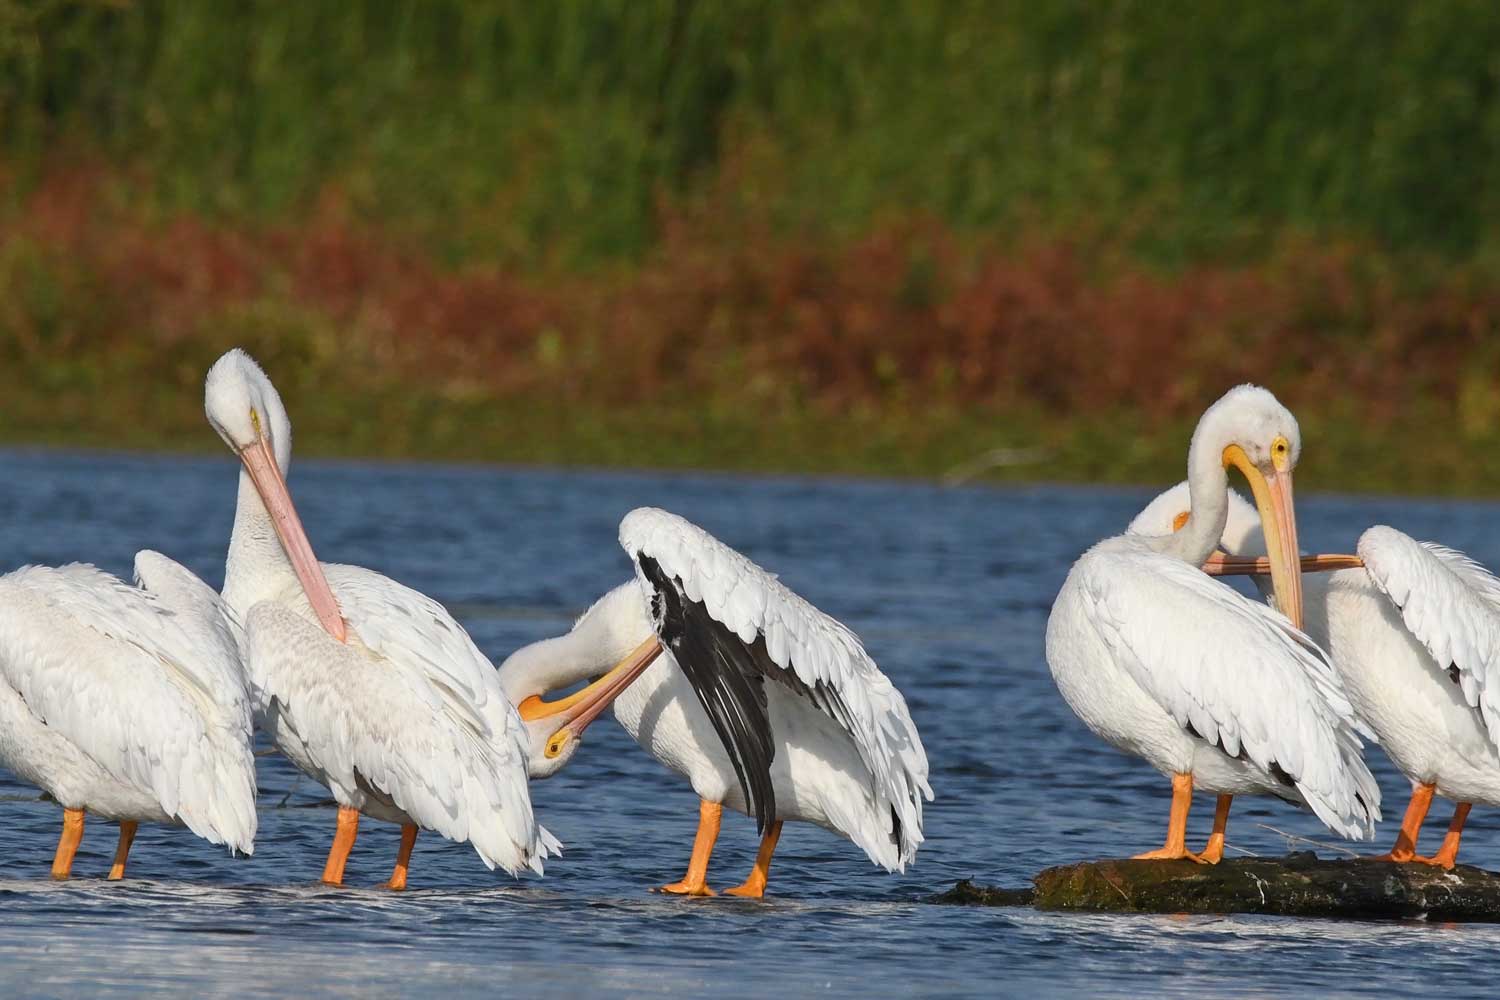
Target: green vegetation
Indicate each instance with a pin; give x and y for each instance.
(856, 236)
(133, 398)
(544, 132)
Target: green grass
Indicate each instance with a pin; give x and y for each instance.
(896, 355)
(135, 402)
(846, 236)
(542, 134)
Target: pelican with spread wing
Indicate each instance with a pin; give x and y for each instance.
(1413, 629)
(126, 702)
(1217, 692)
(368, 686)
(760, 700)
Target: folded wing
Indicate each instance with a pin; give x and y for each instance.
(734, 628)
(1450, 603)
(1235, 673)
(412, 706)
(139, 686)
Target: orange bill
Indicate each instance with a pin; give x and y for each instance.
(577, 711)
(1220, 564)
(1278, 520)
(260, 463)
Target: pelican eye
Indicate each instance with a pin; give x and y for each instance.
(556, 743)
(255, 420)
(1281, 453)
(1180, 520)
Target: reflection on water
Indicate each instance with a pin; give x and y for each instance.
(949, 588)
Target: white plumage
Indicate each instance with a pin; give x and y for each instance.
(1414, 636)
(1242, 694)
(840, 679)
(816, 732)
(405, 721)
(1218, 692)
(366, 685)
(124, 702)
(1450, 603)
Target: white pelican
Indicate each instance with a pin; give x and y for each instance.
(369, 687)
(1212, 689)
(791, 720)
(1413, 629)
(126, 702)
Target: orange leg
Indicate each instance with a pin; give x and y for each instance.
(343, 843)
(1213, 853)
(1447, 855)
(122, 850)
(408, 841)
(754, 887)
(1411, 826)
(1176, 845)
(67, 844)
(695, 883)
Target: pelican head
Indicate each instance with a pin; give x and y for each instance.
(554, 729)
(1248, 429)
(1253, 422)
(595, 648)
(246, 411)
(245, 408)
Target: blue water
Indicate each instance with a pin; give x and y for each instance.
(950, 589)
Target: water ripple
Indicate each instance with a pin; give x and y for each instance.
(951, 602)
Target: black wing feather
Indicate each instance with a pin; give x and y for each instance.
(729, 679)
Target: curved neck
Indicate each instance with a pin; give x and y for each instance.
(1208, 502)
(603, 636)
(256, 567)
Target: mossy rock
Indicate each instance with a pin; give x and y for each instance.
(1298, 885)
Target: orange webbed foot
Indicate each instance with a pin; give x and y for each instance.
(1439, 860)
(685, 888)
(747, 891)
(1164, 854)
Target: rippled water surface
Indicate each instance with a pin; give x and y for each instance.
(949, 589)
